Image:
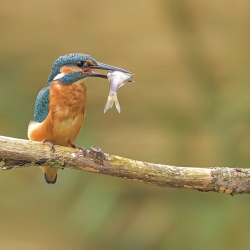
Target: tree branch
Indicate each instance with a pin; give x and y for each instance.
(16, 153)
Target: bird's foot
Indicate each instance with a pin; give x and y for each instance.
(83, 150)
(50, 144)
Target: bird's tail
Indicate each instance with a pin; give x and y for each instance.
(50, 174)
(110, 102)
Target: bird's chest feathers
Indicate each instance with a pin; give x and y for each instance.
(67, 106)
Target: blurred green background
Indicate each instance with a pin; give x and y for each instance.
(190, 106)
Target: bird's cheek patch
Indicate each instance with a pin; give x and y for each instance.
(58, 76)
(67, 70)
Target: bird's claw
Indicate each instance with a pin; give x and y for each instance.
(83, 150)
(50, 144)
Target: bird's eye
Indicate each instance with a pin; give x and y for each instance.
(79, 63)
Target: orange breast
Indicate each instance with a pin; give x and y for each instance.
(66, 114)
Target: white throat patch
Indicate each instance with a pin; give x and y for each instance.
(59, 76)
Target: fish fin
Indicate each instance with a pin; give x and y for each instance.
(117, 105)
(110, 102)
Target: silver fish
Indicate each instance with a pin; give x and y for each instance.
(116, 80)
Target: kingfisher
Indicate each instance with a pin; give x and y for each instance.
(60, 106)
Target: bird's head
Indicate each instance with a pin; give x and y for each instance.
(73, 67)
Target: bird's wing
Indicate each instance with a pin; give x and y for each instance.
(42, 105)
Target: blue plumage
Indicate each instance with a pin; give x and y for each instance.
(42, 101)
(72, 77)
(42, 105)
(67, 60)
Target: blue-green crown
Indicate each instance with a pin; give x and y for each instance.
(69, 59)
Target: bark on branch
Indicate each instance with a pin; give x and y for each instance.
(16, 153)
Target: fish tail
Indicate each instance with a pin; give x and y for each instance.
(110, 102)
(117, 105)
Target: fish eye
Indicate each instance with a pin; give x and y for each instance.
(80, 63)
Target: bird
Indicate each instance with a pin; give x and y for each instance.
(60, 106)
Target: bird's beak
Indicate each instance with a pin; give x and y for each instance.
(109, 67)
(105, 67)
